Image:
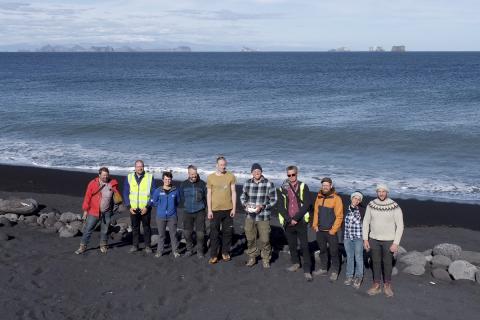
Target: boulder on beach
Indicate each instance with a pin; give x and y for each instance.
(58, 225)
(440, 261)
(470, 256)
(413, 258)
(31, 219)
(67, 231)
(452, 251)
(67, 217)
(19, 206)
(154, 239)
(415, 269)
(461, 269)
(394, 271)
(50, 222)
(428, 252)
(41, 219)
(13, 217)
(4, 222)
(441, 274)
(77, 225)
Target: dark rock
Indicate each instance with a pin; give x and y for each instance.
(441, 274)
(470, 256)
(76, 225)
(449, 250)
(461, 269)
(67, 231)
(50, 222)
(19, 206)
(477, 276)
(58, 225)
(5, 222)
(440, 261)
(31, 219)
(41, 219)
(415, 269)
(413, 258)
(67, 217)
(13, 217)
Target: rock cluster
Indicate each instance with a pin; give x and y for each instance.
(448, 262)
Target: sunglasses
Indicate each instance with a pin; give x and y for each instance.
(291, 175)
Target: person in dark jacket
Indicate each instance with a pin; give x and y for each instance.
(293, 214)
(193, 192)
(166, 200)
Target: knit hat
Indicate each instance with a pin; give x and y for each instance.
(382, 186)
(357, 194)
(326, 179)
(256, 166)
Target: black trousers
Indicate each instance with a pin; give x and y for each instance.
(136, 219)
(380, 252)
(194, 220)
(221, 218)
(323, 237)
(293, 234)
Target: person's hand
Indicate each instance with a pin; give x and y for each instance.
(366, 245)
(330, 232)
(132, 211)
(84, 217)
(144, 211)
(259, 208)
(394, 248)
(232, 213)
(315, 229)
(293, 222)
(210, 215)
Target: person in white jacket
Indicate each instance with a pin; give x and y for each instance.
(382, 232)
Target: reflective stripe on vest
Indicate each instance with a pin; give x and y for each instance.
(139, 194)
(306, 216)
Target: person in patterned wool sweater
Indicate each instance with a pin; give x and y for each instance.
(382, 232)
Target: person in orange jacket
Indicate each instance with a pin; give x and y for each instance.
(327, 220)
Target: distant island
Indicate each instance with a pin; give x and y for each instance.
(400, 48)
(78, 48)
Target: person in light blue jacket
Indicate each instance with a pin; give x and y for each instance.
(166, 200)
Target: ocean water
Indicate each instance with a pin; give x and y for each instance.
(411, 120)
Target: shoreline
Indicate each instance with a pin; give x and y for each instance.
(417, 213)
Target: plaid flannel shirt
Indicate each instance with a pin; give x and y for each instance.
(263, 194)
(353, 224)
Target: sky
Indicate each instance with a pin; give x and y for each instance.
(229, 25)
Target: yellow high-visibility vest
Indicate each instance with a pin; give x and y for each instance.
(139, 194)
(306, 216)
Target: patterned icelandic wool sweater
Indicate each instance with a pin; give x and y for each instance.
(383, 221)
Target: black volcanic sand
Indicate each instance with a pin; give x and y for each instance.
(42, 279)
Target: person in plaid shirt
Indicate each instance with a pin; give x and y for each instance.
(353, 240)
(258, 198)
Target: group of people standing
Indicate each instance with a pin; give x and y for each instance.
(376, 228)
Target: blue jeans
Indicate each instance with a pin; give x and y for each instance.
(354, 250)
(91, 224)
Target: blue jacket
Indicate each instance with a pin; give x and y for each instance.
(126, 189)
(194, 195)
(166, 202)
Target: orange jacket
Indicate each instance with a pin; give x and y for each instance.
(328, 212)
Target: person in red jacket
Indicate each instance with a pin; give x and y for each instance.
(98, 206)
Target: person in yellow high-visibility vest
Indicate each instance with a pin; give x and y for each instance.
(137, 192)
(293, 213)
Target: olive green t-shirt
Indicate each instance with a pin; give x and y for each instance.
(221, 190)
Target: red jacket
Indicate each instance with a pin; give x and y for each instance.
(93, 196)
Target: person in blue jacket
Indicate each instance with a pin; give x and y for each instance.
(166, 200)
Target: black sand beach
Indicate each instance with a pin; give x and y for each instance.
(42, 279)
